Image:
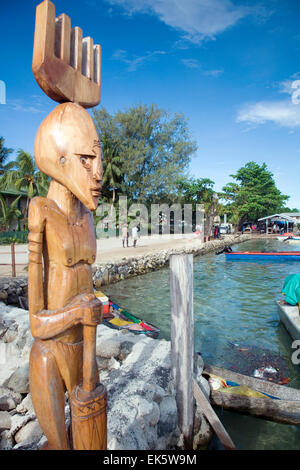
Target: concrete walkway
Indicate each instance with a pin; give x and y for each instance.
(108, 249)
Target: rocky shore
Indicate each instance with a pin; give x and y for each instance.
(108, 273)
(11, 289)
(136, 370)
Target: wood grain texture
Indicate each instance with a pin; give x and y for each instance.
(89, 421)
(264, 386)
(284, 410)
(182, 340)
(212, 417)
(58, 57)
(63, 309)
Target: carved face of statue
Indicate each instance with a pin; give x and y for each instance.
(67, 149)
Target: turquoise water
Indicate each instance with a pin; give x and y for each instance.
(236, 326)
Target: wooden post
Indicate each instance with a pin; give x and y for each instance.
(182, 341)
(13, 260)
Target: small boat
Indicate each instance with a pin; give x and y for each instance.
(253, 396)
(289, 239)
(293, 241)
(259, 255)
(285, 235)
(118, 318)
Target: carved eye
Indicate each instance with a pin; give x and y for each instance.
(83, 160)
(62, 160)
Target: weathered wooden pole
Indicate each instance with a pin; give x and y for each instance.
(182, 341)
(13, 260)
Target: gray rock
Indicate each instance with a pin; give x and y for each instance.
(18, 421)
(30, 433)
(108, 347)
(6, 441)
(6, 392)
(3, 295)
(125, 349)
(7, 403)
(19, 380)
(203, 432)
(5, 421)
(26, 406)
(168, 416)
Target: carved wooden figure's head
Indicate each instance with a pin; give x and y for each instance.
(67, 149)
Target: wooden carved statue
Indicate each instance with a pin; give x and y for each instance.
(64, 312)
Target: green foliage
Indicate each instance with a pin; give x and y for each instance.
(9, 213)
(195, 191)
(4, 154)
(112, 161)
(22, 175)
(253, 195)
(8, 237)
(150, 148)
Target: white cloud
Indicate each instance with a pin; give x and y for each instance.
(197, 19)
(284, 113)
(195, 64)
(35, 105)
(134, 63)
(191, 63)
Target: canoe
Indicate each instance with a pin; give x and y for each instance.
(119, 319)
(268, 256)
(256, 397)
(289, 239)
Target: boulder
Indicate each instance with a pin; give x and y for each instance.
(31, 433)
(6, 441)
(26, 406)
(5, 421)
(19, 380)
(7, 403)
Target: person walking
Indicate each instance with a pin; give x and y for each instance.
(125, 235)
(134, 234)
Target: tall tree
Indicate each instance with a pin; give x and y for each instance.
(4, 154)
(200, 191)
(253, 194)
(111, 165)
(154, 149)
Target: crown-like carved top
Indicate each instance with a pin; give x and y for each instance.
(66, 66)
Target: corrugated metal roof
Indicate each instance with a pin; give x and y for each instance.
(278, 217)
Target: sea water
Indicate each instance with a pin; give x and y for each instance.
(236, 326)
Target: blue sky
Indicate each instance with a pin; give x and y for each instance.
(232, 67)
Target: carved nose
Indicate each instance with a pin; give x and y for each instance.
(97, 173)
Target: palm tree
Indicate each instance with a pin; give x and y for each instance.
(4, 153)
(23, 175)
(9, 213)
(111, 164)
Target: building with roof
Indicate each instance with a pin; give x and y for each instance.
(277, 223)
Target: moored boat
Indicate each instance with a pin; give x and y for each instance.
(256, 397)
(289, 239)
(264, 256)
(118, 318)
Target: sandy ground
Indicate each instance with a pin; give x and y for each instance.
(108, 249)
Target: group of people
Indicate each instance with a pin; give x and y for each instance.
(125, 235)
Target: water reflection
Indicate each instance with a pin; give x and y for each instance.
(236, 324)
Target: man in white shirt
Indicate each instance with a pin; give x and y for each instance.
(134, 234)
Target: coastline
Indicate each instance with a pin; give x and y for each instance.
(114, 263)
